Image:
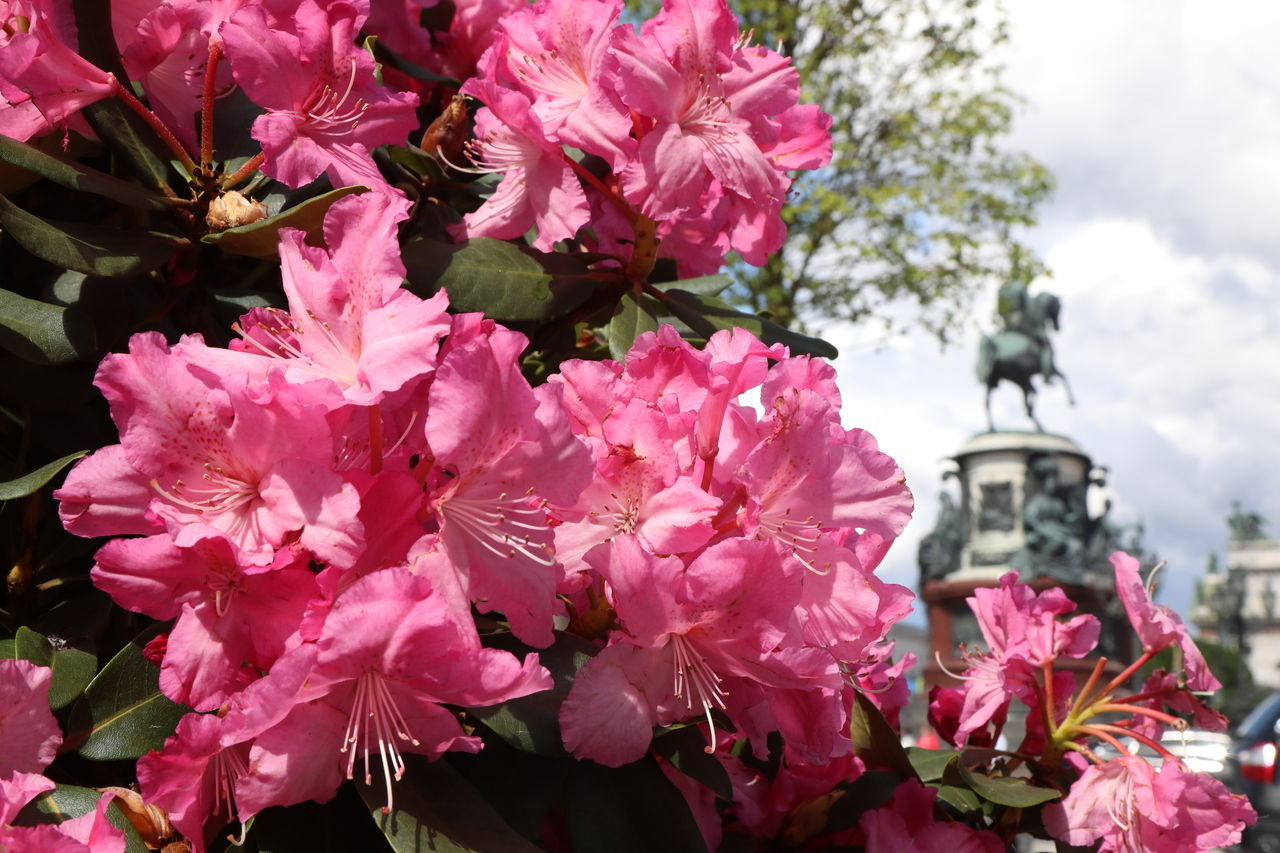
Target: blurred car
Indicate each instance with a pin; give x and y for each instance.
(1252, 771)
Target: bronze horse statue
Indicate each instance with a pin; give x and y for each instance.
(1021, 352)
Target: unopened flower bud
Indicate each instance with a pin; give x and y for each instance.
(232, 209)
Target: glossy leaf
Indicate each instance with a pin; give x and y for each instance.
(706, 315)
(628, 809)
(90, 249)
(685, 749)
(41, 333)
(632, 319)
(123, 713)
(436, 809)
(76, 176)
(503, 280)
(29, 484)
(962, 800)
(1006, 790)
(261, 239)
(73, 669)
(70, 801)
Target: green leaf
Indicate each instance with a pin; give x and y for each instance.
(502, 280)
(29, 484)
(685, 749)
(628, 809)
(76, 176)
(72, 668)
(706, 285)
(632, 319)
(706, 315)
(41, 333)
(930, 763)
(260, 239)
(436, 809)
(962, 800)
(875, 741)
(1007, 790)
(123, 713)
(532, 723)
(90, 249)
(71, 801)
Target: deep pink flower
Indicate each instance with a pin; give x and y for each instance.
(43, 80)
(29, 735)
(325, 109)
(89, 833)
(1157, 626)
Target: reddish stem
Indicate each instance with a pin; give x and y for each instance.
(1124, 676)
(206, 103)
(1123, 708)
(155, 123)
(611, 194)
(244, 171)
(1088, 685)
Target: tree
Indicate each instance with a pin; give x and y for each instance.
(920, 204)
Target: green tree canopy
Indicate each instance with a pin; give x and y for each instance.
(920, 204)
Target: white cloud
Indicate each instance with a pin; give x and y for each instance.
(1162, 122)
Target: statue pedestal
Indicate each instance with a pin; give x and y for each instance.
(1022, 507)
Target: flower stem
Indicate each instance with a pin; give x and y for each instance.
(1123, 677)
(244, 171)
(156, 124)
(206, 103)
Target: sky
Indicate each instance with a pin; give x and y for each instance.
(1161, 122)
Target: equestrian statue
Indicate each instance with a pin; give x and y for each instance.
(1022, 349)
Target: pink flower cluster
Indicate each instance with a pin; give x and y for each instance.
(1124, 803)
(324, 506)
(695, 129)
(29, 740)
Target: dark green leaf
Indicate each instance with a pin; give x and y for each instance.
(875, 741)
(706, 285)
(341, 825)
(436, 809)
(1006, 790)
(962, 800)
(500, 279)
(260, 239)
(685, 749)
(71, 801)
(72, 668)
(930, 763)
(69, 173)
(90, 249)
(123, 712)
(42, 333)
(628, 809)
(707, 314)
(29, 484)
(391, 59)
(868, 792)
(532, 723)
(632, 319)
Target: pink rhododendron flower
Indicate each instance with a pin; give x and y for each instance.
(390, 650)
(89, 833)
(29, 735)
(1132, 807)
(325, 110)
(1157, 626)
(43, 80)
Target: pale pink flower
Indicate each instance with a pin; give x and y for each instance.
(1131, 807)
(907, 825)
